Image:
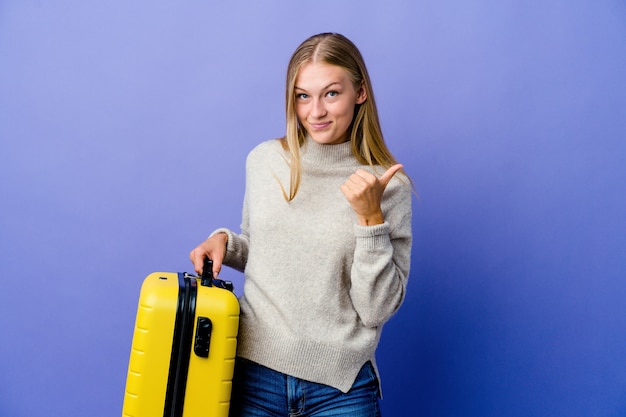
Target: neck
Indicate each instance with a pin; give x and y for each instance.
(321, 153)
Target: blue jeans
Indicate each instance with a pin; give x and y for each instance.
(262, 392)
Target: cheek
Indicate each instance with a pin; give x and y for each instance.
(300, 110)
(347, 111)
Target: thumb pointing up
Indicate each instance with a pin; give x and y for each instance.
(364, 192)
(386, 177)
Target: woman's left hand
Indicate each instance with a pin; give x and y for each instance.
(364, 192)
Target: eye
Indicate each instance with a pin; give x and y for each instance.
(332, 94)
(302, 96)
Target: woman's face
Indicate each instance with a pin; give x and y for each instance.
(325, 101)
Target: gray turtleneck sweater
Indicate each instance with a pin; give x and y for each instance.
(318, 286)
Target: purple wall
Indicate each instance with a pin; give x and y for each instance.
(124, 128)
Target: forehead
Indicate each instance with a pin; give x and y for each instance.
(319, 75)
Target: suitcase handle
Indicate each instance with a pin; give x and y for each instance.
(207, 279)
(207, 273)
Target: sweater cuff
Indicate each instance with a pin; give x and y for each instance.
(232, 245)
(373, 237)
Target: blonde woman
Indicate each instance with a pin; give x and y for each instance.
(325, 245)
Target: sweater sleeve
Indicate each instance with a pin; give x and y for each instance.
(382, 259)
(236, 249)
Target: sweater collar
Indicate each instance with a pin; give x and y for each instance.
(326, 154)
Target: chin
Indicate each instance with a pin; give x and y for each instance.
(326, 139)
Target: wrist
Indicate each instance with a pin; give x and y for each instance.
(223, 236)
(371, 220)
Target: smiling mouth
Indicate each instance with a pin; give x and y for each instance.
(319, 126)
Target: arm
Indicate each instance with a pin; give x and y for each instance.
(382, 254)
(223, 247)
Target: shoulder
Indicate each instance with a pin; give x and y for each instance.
(397, 205)
(266, 151)
(399, 191)
(268, 145)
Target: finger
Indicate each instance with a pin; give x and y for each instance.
(217, 267)
(360, 179)
(346, 190)
(364, 176)
(217, 256)
(216, 263)
(197, 259)
(386, 177)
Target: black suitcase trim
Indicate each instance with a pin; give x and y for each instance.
(181, 347)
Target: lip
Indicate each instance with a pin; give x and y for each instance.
(319, 126)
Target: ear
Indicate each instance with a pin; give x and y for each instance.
(361, 94)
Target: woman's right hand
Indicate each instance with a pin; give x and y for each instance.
(213, 248)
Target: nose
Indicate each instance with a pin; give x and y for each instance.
(318, 110)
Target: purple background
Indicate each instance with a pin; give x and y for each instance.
(124, 127)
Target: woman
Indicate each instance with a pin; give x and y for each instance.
(325, 245)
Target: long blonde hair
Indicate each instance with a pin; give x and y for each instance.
(366, 136)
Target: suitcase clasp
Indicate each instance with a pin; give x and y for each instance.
(203, 337)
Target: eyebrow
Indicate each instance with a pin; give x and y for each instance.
(325, 88)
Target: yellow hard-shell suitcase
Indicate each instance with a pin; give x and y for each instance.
(183, 350)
